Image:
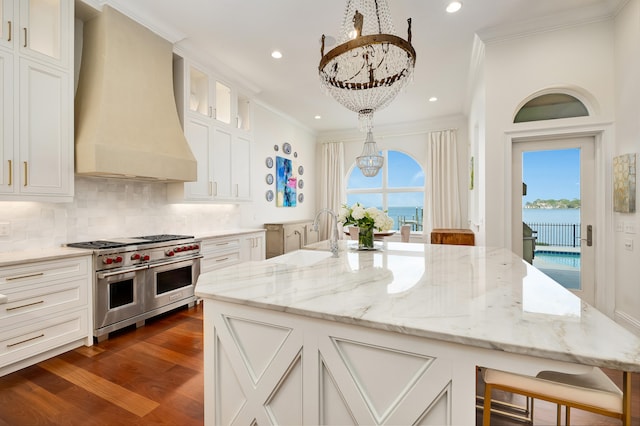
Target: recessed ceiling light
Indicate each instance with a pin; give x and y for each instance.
(276, 54)
(318, 117)
(433, 99)
(454, 6)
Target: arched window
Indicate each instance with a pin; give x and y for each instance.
(551, 106)
(397, 188)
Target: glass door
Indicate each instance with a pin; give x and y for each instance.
(553, 210)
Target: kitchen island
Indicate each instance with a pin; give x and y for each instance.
(391, 336)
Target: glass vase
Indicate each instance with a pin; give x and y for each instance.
(365, 238)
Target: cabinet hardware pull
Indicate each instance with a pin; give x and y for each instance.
(222, 260)
(25, 341)
(211, 112)
(215, 189)
(37, 274)
(237, 190)
(210, 188)
(26, 174)
(25, 36)
(221, 244)
(10, 172)
(24, 306)
(9, 37)
(3, 299)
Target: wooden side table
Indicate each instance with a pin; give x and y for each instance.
(460, 237)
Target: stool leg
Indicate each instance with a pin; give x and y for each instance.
(558, 414)
(568, 415)
(486, 414)
(626, 398)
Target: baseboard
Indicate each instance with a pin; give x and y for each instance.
(627, 321)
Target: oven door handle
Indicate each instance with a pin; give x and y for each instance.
(179, 260)
(104, 275)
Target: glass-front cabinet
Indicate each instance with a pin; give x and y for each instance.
(216, 120)
(36, 100)
(210, 98)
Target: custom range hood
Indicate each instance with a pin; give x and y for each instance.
(127, 125)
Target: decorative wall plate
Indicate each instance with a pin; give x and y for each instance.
(269, 178)
(276, 148)
(300, 170)
(300, 198)
(286, 148)
(269, 196)
(269, 162)
(300, 183)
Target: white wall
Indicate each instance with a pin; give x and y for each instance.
(514, 69)
(273, 128)
(410, 138)
(627, 61)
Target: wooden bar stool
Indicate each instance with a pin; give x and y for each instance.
(593, 392)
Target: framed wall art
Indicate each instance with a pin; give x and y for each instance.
(624, 183)
(286, 183)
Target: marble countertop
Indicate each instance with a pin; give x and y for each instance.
(229, 233)
(11, 258)
(479, 296)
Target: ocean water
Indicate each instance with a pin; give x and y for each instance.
(529, 216)
(406, 213)
(555, 216)
(555, 227)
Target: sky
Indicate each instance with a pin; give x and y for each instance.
(551, 174)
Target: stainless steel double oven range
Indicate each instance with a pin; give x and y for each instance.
(137, 278)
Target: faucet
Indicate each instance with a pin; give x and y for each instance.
(333, 240)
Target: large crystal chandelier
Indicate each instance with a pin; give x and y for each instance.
(368, 68)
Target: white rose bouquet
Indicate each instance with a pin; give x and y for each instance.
(362, 217)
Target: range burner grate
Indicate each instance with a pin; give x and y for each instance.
(97, 245)
(165, 237)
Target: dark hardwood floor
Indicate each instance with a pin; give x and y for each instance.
(153, 375)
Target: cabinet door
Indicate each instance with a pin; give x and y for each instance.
(253, 247)
(199, 93)
(223, 103)
(45, 131)
(293, 237)
(221, 160)
(198, 136)
(7, 23)
(7, 162)
(241, 168)
(44, 29)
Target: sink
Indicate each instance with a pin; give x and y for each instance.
(302, 257)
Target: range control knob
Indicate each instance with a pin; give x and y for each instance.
(118, 259)
(169, 253)
(145, 258)
(107, 261)
(135, 256)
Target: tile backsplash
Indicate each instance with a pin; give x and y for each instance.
(104, 208)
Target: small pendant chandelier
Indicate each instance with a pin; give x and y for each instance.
(370, 161)
(368, 68)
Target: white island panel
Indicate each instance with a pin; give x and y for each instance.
(388, 337)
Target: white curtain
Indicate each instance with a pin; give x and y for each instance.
(442, 197)
(331, 183)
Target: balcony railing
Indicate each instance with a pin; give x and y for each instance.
(556, 234)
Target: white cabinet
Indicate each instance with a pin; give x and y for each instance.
(36, 148)
(45, 309)
(253, 246)
(222, 251)
(219, 252)
(216, 122)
